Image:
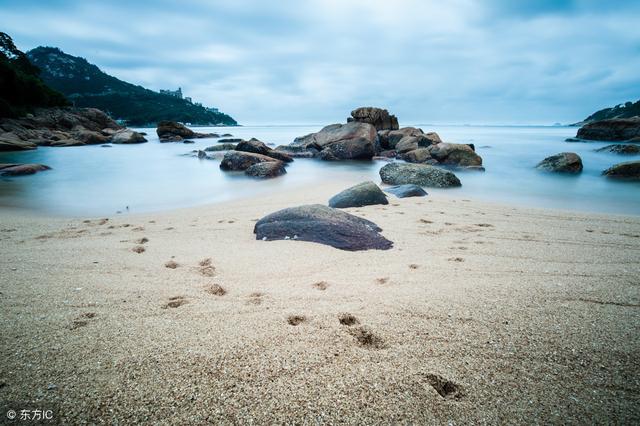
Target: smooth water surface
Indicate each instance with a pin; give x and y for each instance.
(93, 180)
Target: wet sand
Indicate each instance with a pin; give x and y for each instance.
(480, 313)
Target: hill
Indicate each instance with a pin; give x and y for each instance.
(626, 110)
(21, 89)
(87, 86)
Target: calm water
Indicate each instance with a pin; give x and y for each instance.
(93, 180)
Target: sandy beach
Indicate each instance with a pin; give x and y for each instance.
(480, 313)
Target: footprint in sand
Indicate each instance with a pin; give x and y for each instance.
(445, 388)
(348, 319)
(321, 285)
(142, 240)
(382, 280)
(171, 264)
(425, 221)
(175, 302)
(255, 298)
(484, 225)
(216, 290)
(365, 337)
(296, 319)
(206, 268)
(138, 249)
(455, 259)
(413, 266)
(82, 320)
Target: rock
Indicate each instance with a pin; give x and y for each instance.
(395, 136)
(323, 225)
(390, 153)
(226, 135)
(381, 158)
(230, 140)
(565, 162)
(21, 169)
(418, 174)
(377, 117)
(126, 136)
(628, 170)
(201, 154)
(106, 146)
(222, 147)
(620, 149)
(238, 160)
(258, 147)
(420, 155)
(187, 141)
(11, 142)
(406, 144)
(351, 141)
(573, 140)
(616, 129)
(268, 169)
(407, 190)
(88, 137)
(171, 131)
(455, 154)
(363, 194)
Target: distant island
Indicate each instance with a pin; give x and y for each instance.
(626, 110)
(85, 85)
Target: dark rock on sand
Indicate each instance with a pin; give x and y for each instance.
(565, 162)
(171, 131)
(628, 170)
(238, 160)
(620, 149)
(268, 169)
(351, 141)
(407, 190)
(21, 169)
(418, 174)
(363, 194)
(617, 129)
(455, 154)
(377, 117)
(324, 225)
(257, 147)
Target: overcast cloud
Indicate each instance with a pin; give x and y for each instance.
(458, 61)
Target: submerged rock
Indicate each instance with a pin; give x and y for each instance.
(616, 129)
(627, 170)
(377, 117)
(407, 190)
(269, 169)
(238, 160)
(257, 147)
(620, 149)
(21, 169)
(363, 194)
(418, 174)
(323, 225)
(565, 162)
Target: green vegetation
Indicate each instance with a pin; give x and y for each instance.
(629, 109)
(87, 86)
(21, 88)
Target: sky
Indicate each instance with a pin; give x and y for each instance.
(312, 62)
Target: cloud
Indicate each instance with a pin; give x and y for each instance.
(494, 61)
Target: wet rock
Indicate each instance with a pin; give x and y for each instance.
(126, 136)
(565, 162)
(230, 140)
(627, 170)
(620, 149)
(455, 154)
(257, 147)
(616, 129)
(238, 160)
(420, 155)
(21, 169)
(363, 194)
(407, 190)
(171, 131)
(221, 147)
(418, 174)
(351, 141)
(266, 170)
(323, 225)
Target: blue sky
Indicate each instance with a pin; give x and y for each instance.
(457, 61)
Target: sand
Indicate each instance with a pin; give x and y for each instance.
(481, 313)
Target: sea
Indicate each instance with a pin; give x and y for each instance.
(97, 181)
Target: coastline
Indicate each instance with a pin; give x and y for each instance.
(510, 312)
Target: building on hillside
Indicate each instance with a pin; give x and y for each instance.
(174, 93)
(188, 99)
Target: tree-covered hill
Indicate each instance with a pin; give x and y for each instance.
(626, 110)
(87, 86)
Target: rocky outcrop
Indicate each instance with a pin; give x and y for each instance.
(418, 174)
(21, 169)
(257, 147)
(377, 117)
(323, 225)
(455, 154)
(565, 162)
(405, 191)
(265, 170)
(620, 149)
(171, 131)
(57, 127)
(363, 194)
(351, 141)
(628, 170)
(617, 129)
(238, 160)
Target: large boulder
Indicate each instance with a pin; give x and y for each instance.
(363, 194)
(351, 141)
(418, 174)
(126, 136)
(565, 162)
(407, 190)
(455, 154)
(238, 160)
(628, 170)
(257, 147)
(616, 129)
(268, 169)
(620, 149)
(377, 117)
(21, 169)
(171, 131)
(323, 225)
